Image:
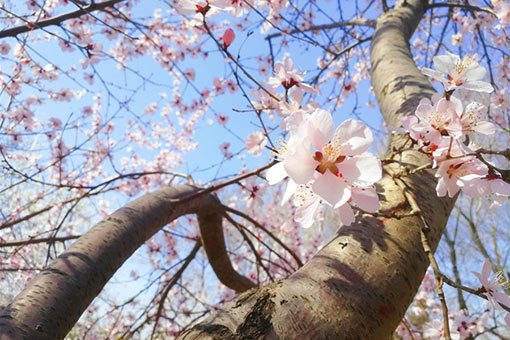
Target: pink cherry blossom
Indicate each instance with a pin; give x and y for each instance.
(264, 101)
(255, 192)
(4, 48)
(55, 123)
(186, 7)
(219, 88)
(364, 198)
(415, 129)
(190, 73)
(456, 39)
(451, 173)
(433, 330)
(474, 119)
(222, 119)
(403, 332)
(287, 76)
(224, 150)
(440, 119)
(476, 185)
(255, 143)
(309, 206)
(493, 287)
(502, 10)
(463, 324)
(460, 73)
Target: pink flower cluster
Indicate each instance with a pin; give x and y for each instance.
(442, 126)
(462, 324)
(327, 165)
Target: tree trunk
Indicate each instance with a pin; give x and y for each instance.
(357, 287)
(362, 282)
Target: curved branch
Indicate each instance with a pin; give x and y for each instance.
(54, 300)
(211, 232)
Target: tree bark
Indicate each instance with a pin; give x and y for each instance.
(55, 299)
(362, 282)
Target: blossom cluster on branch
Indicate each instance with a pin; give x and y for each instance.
(445, 128)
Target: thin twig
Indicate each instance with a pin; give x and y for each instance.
(260, 226)
(173, 281)
(353, 22)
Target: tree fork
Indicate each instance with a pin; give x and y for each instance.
(362, 282)
(55, 299)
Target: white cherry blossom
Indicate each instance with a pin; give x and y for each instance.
(255, 143)
(493, 288)
(287, 76)
(460, 73)
(333, 164)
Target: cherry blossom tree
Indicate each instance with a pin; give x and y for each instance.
(238, 196)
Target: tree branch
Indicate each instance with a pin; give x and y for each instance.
(38, 240)
(353, 22)
(463, 6)
(57, 20)
(54, 300)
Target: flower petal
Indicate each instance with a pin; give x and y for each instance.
(480, 278)
(424, 110)
(364, 169)
(346, 214)
(445, 63)
(432, 73)
(480, 86)
(485, 127)
(306, 214)
(475, 73)
(300, 165)
(332, 189)
(320, 128)
(500, 187)
(486, 270)
(366, 198)
(441, 188)
(502, 299)
(276, 173)
(354, 137)
(289, 191)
